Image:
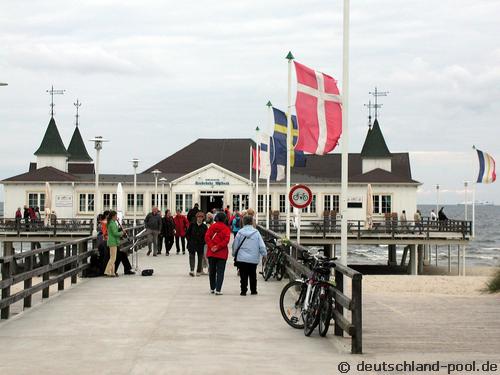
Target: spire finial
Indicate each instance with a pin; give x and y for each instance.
(78, 104)
(290, 56)
(376, 94)
(269, 104)
(53, 92)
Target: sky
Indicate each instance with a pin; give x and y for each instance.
(154, 75)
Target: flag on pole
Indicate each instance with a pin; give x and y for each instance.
(277, 170)
(265, 155)
(487, 173)
(297, 158)
(318, 106)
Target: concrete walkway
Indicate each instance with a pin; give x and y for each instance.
(169, 323)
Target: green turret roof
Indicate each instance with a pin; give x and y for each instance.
(76, 149)
(52, 143)
(375, 145)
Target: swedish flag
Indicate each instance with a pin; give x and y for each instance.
(297, 158)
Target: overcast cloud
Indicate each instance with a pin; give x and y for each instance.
(155, 75)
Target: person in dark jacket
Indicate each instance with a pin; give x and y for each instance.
(442, 218)
(26, 217)
(152, 223)
(167, 232)
(191, 216)
(196, 243)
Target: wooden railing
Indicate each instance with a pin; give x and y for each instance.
(359, 228)
(60, 226)
(52, 264)
(354, 328)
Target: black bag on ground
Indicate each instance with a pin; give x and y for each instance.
(148, 272)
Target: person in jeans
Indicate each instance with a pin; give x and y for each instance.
(217, 239)
(196, 242)
(248, 248)
(113, 242)
(181, 225)
(167, 232)
(152, 223)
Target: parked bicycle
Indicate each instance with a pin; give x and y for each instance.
(275, 264)
(307, 303)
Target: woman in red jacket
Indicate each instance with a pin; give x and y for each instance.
(217, 239)
(181, 225)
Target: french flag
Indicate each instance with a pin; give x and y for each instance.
(487, 173)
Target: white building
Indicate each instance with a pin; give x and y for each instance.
(214, 173)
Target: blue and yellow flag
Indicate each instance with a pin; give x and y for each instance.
(297, 158)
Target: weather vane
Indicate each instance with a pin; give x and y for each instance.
(53, 92)
(78, 104)
(376, 95)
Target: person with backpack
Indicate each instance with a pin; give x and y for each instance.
(236, 223)
(248, 248)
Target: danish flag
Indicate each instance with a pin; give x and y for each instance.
(319, 111)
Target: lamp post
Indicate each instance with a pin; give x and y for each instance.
(162, 180)
(466, 184)
(98, 141)
(135, 165)
(156, 173)
(437, 199)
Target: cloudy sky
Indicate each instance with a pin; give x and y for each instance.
(154, 75)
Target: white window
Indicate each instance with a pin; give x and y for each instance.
(261, 208)
(160, 196)
(282, 203)
(240, 202)
(86, 203)
(140, 202)
(331, 202)
(108, 202)
(183, 202)
(36, 200)
(382, 203)
(311, 209)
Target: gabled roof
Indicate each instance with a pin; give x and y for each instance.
(231, 154)
(378, 174)
(375, 145)
(52, 143)
(43, 174)
(76, 149)
(81, 168)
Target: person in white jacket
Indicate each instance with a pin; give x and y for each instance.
(248, 248)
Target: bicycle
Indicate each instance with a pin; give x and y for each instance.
(307, 303)
(275, 263)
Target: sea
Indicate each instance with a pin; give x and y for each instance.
(483, 250)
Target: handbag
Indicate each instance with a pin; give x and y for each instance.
(147, 272)
(237, 251)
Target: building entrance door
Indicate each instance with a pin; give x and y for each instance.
(211, 200)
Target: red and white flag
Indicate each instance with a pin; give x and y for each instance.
(319, 111)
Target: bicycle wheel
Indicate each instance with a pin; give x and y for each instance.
(269, 267)
(311, 316)
(291, 302)
(325, 312)
(280, 267)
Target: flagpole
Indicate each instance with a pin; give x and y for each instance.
(345, 136)
(268, 214)
(289, 142)
(251, 162)
(257, 170)
(473, 210)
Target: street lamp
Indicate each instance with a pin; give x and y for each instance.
(98, 141)
(156, 172)
(135, 164)
(437, 199)
(466, 183)
(162, 180)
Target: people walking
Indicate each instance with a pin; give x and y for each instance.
(152, 223)
(191, 215)
(167, 232)
(442, 218)
(181, 225)
(236, 223)
(433, 215)
(19, 217)
(248, 248)
(418, 221)
(196, 243)
(403, 221)
(26, 217)
(217, 239)
(113, 242)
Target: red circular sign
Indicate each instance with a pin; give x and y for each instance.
(300, 196)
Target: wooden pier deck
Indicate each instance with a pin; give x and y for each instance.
(169, 323)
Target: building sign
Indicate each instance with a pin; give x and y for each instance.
(64, 201)
(355, 200)
(212, 182)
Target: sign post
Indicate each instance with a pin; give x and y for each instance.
(300, 197)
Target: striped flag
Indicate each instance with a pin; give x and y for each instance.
(487, 173)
